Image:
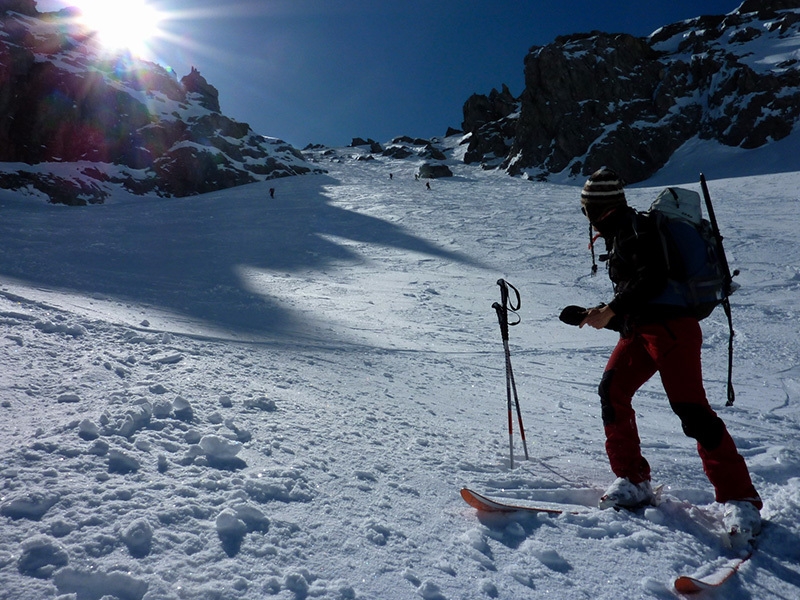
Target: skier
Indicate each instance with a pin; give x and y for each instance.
(654, 338)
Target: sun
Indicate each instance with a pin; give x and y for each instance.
(129, 25)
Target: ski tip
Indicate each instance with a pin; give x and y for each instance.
(473, 499)
(689, 585)
(686, 584)
(482, 503)
(467, 493)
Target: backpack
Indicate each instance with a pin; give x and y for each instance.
(697, 276)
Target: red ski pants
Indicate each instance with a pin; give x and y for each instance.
(673, 350)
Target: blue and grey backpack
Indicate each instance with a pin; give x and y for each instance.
(697, 277)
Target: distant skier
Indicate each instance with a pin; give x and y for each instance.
(427, 185)
(271, 192)
(654, 338)
(391, 176)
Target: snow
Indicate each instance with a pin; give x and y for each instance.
(230, 396)
(770, 50)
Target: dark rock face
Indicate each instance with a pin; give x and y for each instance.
(434, 171)
(572, 98)
(492, 121)
(480, 110)
(23, 7)
(374, 146)
(64, 100)
(208, 96)
(599, 99)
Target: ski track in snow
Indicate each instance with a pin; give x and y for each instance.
(228, 396)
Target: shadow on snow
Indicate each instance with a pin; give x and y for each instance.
(185, 255)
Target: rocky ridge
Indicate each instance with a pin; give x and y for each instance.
(599, 98)
(76, 121)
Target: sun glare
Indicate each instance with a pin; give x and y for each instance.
(129, 25)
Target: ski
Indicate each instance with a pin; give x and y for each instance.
(691, 585)
(484, 504)
(684, 584)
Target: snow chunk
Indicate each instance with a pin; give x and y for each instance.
(377, 534)
(430, 591)
(88, 431)
(489, 588)
(158, 389)
(287, 485)
(119, 462)
(94, 585)
(261, 403)
(162, 409)
(168, 359)
(69, 399)
(183, 409)
(477, 540)
(41, 556)
(132, 420)
(655, 587)
(243, 435)
(218, 448)
(231, 531)
(220, 452)
(551, 559)
(50, 327)
(32, 506)
(297, 583)
(234, 523)
(138, 537)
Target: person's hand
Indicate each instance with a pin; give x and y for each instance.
(598, 317)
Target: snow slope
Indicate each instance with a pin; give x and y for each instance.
(236, 397)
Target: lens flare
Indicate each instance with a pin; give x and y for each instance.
(131, 25)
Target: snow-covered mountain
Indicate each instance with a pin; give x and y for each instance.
(76, 121)
(232, 397)
(598, 98)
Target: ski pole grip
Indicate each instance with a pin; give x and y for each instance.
(502, 318)
(504, 295)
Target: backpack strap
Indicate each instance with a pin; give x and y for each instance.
(726, 305)
(592, 239)
(660, 224)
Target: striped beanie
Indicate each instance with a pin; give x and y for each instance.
(601, 193)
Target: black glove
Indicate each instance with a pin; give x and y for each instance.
(573, 315)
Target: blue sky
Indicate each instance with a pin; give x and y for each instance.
(325, 71)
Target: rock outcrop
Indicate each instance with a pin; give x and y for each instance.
(65, 102)
(491, 123)
(598, 99)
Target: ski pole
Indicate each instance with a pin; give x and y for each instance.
(513, 307)
(712, 217)
(502, 317)
(728, 285)
(502, 310)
